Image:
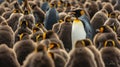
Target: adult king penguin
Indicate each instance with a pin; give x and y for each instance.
(52, 16)
(86, 21)
(81, 28)
(78, 30)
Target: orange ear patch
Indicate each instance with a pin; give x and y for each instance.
(82, 12)
(101, 30)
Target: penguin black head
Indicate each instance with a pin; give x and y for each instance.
(26, 12)
(41, 48)
(78, 12)
(68, 18)
(24, 23)
(53, 3)
(113, 15)
(35, 29)
(109, 43)
(17, 6)
(53, 46)
(50, 34)
(104, 29)
(83, 43)
(16, 11)
(67, 4)
(23, 36)
(33, 6)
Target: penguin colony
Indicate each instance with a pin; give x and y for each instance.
(59, 33)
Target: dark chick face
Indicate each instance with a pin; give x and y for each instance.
(109, 43)
(39, 37)
(24, 23)
(83, 43)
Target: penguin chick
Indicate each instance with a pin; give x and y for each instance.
(23, 48)
(117, 5)
(4, 26)
(91, 8)
(45, 6)
(6, 36)
(39, 58)
(58, 60)
(7, 57)
(29, 18)
(98, 19)
(56, 26)
(110, 54)
(7, 14)
(113, 21)
(88, 43)
(52, 16)
(22, 29)
(105, 33)
(55, 48)
(64, 33)
(79, 58)
(2, 10)
(13, 20)
(38, 14)
(108, 7)
(113, 2)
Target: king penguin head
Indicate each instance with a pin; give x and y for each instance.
(78, 12)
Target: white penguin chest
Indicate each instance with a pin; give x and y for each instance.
(78, 31)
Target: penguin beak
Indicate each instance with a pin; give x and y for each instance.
(100, 30)
(97, 30)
